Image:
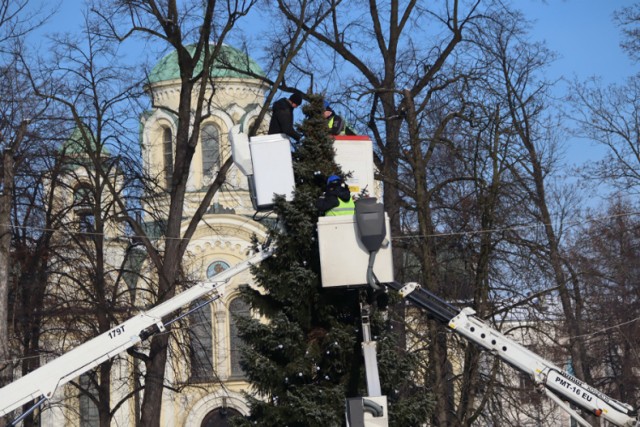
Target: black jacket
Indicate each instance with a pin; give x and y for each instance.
(282, 119)
(329, 199)
(339, 125)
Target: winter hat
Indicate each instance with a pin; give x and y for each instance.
(296, 98)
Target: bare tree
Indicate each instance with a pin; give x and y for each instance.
(607, 116)
(395, 69)
(458, 193)
(16, 21)
(604, 253)
(6, 199)
(628, 19)
(30, 222)
(534, 132)
(88, 91)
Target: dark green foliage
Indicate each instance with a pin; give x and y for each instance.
(301, 359)
(315, 153)
(306, 358)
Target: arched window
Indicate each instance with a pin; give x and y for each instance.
(201, 344)
(237, 308)
(83, 197)
(167, 147)
(201, 334)
(210, 149)
(83, 203)
(219, 417)
(89, 415)
(216, 267)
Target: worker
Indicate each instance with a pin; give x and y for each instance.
(336, 199)
(337, 125)
(282, 116)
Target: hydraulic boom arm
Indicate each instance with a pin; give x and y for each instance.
(40, 384)
(559, 385)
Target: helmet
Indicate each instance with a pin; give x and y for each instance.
(327, 105)
(333, 178)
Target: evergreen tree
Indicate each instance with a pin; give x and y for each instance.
(306, 358)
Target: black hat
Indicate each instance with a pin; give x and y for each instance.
(296, 98)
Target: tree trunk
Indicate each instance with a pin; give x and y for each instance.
(104, 393)
(154, 381)
(5, 253)
(576, 345)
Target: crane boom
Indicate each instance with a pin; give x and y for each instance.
(554, 381)
(40, 384)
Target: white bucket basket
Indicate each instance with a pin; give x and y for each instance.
(344, 259)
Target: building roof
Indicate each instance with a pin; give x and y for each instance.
(226, 64)
(77, 146)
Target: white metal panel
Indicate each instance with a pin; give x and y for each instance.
(272, 168)
(354, 154)
(240, 150)
(370, 420)
(344, 259)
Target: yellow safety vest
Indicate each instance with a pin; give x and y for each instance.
(344, 208)
(344, 126)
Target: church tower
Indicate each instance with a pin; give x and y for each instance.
(211, 374)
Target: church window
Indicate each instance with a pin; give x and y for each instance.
(201, 334)
(89, 415)
(215, 268)
(201, 344)
(167, 146)
(237, 308)
(83, 202)
(219, 417)
(210, 149)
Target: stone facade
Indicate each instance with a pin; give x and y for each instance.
(203, 370)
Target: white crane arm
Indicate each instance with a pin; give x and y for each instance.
(554, 381)
(43, 382)
(542, 371)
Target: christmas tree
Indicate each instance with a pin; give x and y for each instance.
(304, 357)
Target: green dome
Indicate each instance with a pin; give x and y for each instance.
(225, 65)
(76, 145)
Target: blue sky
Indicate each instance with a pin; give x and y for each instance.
(587, 42)
(581, 32)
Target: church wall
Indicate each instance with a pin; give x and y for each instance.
(224, 236)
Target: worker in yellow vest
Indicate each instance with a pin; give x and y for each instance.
(336, 200)
(337, 125)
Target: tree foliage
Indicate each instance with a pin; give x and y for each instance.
(300, 360)
(305, 359)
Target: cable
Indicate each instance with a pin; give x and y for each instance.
(599, 331)
(396, 238)
(514, 228)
